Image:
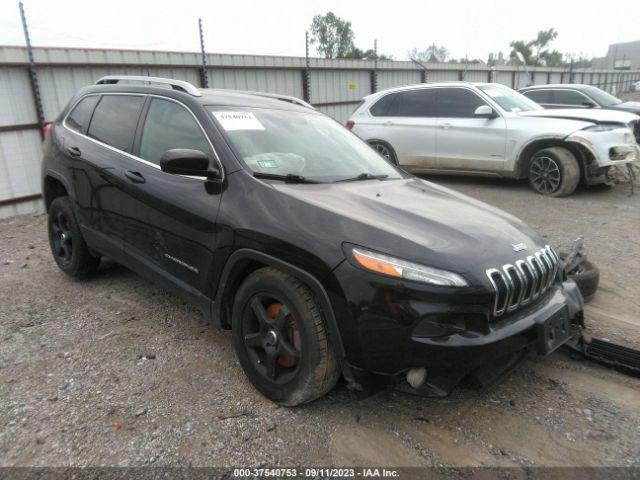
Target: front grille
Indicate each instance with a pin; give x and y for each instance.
(516, 285)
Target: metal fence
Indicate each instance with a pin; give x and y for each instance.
(333, 86)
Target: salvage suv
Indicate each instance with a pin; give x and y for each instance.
(490, 129)
(276, 222)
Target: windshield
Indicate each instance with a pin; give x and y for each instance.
(310, 145)
(601, 97)
(509, 99)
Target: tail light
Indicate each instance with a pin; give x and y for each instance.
(350, 124)
(47, 129)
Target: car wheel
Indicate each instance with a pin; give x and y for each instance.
(281, 339)
(385, 150)
(587, 277)
(554, 172)
(67, 245)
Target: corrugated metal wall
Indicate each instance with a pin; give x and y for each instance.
(335, 88)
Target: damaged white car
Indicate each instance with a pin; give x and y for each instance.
(490, 129)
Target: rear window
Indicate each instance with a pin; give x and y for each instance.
(114, 120)
(415, 103)
(79, 117)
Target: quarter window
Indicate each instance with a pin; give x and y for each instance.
(168, 126)
(114, 120)
(79, 117)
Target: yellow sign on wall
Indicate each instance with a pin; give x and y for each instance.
(351, 86)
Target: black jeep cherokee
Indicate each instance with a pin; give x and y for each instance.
(280, 224)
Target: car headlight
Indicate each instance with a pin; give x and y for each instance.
(396, 267)
(603, 127)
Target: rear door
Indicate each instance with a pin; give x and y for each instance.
(466, 142)
(102, 129)
(408, 124)
(170, 229)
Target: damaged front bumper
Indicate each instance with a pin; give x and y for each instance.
(610, 147)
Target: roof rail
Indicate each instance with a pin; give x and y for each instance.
(180, 85)
(284, 98)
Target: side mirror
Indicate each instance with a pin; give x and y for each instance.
(183, 161)
(484, 111)
(588, 104)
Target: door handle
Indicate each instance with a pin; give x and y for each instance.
(74, 151)
(388, 123)
(135, 177)
(445, 125)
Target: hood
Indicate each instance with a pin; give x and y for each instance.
(418, 221)
(633, 107)
(595, 115)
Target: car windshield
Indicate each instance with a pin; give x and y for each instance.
(601, 97)
(300, 144)
(509, 99)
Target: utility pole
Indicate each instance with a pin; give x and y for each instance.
(35, 86)
(374, 72)
(306, 74)
(204, 81)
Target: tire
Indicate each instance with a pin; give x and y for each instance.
(385, 150)
(586, 277)
(275, 317)
(554, 172)
(68, 247)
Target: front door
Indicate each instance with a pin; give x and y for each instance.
(465, 142)
(170, 228)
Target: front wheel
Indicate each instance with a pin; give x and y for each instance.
(554, 172)
(281, 339)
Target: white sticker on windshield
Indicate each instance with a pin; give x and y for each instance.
(238, 121)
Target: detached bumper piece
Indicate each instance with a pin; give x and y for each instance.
(616, 356)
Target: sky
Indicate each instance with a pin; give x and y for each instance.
(277, 27)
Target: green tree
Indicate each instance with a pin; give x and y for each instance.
(533, 51)
(552, 58)
(369, 54)
(433, 53)
(542, 41)
(332, 35)
(524, 48)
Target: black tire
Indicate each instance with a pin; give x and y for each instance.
(385, 150)
(267, 347)
(586, 277)
(554, 172)
(68, 248)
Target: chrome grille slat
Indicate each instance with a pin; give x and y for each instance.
(516, 285)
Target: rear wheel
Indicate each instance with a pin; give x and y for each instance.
(385, 150)
(554, 172)
(67, 245)
(281, 340)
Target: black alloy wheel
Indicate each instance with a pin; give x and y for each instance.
(271, 338)
(62, 237)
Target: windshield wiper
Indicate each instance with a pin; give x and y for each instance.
(288, 178)
(363, 176)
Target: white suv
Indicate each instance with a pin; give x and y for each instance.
(490, 129)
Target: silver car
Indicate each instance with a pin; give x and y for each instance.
(490, 129)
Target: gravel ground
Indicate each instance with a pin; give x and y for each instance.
(113, 371)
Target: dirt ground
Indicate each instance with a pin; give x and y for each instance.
(113, 371)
